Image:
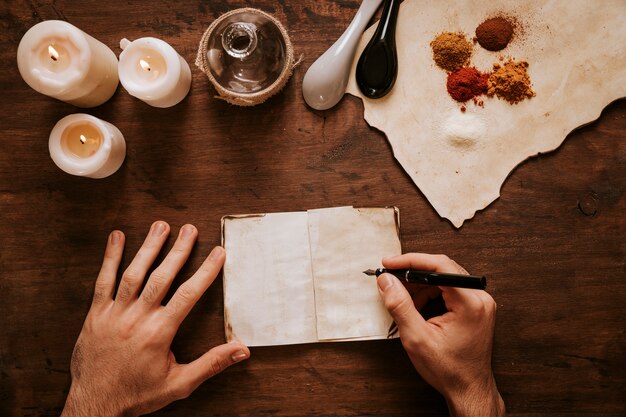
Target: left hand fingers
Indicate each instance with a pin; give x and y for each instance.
(133, 277)
(105, 283)
(191, 290)
(161, 278)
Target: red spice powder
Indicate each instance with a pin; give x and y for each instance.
(466, 83)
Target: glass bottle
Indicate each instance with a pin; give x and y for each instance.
(246, 53)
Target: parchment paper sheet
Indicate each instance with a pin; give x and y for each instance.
(577, 57)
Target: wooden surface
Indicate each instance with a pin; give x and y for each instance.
(552, 245)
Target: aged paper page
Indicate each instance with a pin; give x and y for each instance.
(268, 286)
(345, 242)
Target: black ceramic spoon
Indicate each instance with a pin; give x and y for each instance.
(377, 68)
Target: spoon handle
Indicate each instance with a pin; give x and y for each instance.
(377, 68)
(324, 83)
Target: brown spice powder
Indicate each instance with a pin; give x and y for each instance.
(451, 50)
(510, 82)
(494, 34)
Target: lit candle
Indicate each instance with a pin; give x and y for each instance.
(83, 145)
(59, 60)
(152, 71)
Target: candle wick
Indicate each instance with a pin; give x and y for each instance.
(83, 139)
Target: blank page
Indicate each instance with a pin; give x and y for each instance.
(268, 287)
(345, 242)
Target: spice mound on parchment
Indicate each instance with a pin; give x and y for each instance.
(510, 82)
(452, 52)
(494, 34)
(466, 83)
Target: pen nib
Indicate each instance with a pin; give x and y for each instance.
(369, 272)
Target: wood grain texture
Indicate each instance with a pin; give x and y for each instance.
(552, 246)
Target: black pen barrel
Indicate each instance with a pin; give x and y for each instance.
(448, 280)
(439, 278)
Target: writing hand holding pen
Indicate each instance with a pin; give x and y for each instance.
(451, 352)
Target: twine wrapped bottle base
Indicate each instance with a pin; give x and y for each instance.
(258, 97)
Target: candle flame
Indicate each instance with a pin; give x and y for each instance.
(83, 139)
(53, 53)
(144, 65)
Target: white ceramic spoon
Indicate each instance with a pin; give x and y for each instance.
(325, 81)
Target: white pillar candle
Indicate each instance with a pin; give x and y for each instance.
(83, 145)
(59, 60)
(151, 70)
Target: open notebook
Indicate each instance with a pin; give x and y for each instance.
(298, 277)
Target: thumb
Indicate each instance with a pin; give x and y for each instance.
(211, 363)
(400, 305)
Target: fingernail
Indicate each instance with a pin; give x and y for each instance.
(158, 229)
(239, 356)
(186, 231)
(385, 281)
(216, 253)
(115, 237)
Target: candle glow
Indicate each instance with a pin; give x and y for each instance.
(151, 70)
(59, 60)
(53, 53)
(144, 65)
(81, 144)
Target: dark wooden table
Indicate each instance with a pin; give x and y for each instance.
(552, 245)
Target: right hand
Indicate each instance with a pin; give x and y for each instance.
(451, 352)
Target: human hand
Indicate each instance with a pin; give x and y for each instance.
(451, 352)
(122, 363)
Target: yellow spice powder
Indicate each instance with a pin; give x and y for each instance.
(451, 50)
